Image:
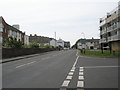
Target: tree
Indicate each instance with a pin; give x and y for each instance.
(13, 43)
(34, 45)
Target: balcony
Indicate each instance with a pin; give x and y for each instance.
(102, 32)
(103, 40)
(114, 38)
(111, 28)
(103, 23)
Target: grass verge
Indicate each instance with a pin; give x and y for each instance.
(98, 53)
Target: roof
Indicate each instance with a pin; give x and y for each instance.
(88, 40)
(9, 26)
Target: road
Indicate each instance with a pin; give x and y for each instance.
(61, 69)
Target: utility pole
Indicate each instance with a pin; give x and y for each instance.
(55, 39)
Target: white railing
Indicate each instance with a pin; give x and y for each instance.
(103, 31)
(103, 40)
(115, 37)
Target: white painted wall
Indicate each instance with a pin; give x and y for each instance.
(60, 42)
(26, 39)
(52, 42)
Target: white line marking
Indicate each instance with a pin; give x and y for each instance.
(45, 58)
(72, 70)
(80, 84)
(81, 70)
(80, 73)
(65, 83)
(81, 77)
(75, 61)
(102, 66)
(25, 64)
(81, 67)
(71, 73)
(69, 77)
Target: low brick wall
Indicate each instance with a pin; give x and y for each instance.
(14, 52)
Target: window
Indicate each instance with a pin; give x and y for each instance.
(1, 29)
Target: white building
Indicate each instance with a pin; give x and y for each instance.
(60, 42)
(26, 39)
(88, 44)
(53, 42)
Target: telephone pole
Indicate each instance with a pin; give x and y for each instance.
(55, 39)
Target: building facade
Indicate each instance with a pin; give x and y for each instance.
(110, 30)
(41, 40)
(7, 30)
(66, 44)
(88, 44)
(26, 39)
(60, 43)
(53, 43)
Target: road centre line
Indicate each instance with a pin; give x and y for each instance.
(25, 64)
(75, 61)
(70, 75)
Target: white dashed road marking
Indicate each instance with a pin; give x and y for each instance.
(69, 77)
(80, 73)
(70, 73)
(25, 64)
(65, 83)
(80, 84)
(81, 77)
(72, 70)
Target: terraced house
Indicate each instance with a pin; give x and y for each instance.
(110, 30)
(7, 30)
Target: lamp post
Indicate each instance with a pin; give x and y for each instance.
(84, 43)
(55, 39)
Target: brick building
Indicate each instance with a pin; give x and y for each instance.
(7, 30)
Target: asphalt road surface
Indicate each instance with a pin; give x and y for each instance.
(61, 69)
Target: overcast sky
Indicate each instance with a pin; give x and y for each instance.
(68, 18)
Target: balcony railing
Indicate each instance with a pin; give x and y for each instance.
(103, 40)
(115, 37)
(111, 28)
(102, 32)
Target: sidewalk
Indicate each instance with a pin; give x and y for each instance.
(20, 57)
(17, 58)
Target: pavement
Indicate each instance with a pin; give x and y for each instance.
(61, 69)
(21, 57)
